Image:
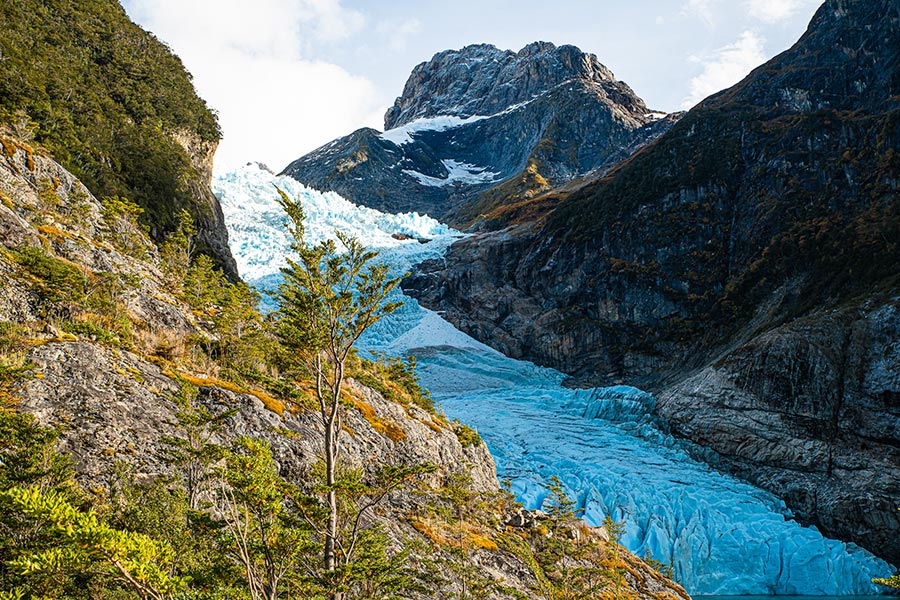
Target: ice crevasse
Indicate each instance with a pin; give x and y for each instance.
(721, 536)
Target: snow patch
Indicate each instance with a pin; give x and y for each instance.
(403, 134)
(457, 172)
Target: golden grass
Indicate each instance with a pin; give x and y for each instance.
(54, 232)
(466, 534)
(7, 201)
(385, 427)
(270, 402)
(433, 424)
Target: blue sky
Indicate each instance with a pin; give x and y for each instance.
(287, 76)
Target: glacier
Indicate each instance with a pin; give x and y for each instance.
(722, 536)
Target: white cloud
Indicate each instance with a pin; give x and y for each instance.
(251, 62)
(398, 31)
(773, 11)
(725, 67)
(702, 9)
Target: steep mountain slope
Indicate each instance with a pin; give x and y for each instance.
(745, 265)
(479, 128)
(116, 107)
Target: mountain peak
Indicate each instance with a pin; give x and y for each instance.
(481, 79)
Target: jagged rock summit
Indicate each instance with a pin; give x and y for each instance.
(479, 129)
(481, 79)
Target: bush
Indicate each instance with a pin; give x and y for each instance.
(465, 434)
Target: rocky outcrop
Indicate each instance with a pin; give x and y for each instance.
(811, 411)
(479, 128)
(117, 406)
(209, 219)
(483, 80)
(766, 207)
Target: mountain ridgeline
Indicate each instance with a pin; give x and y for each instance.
(480, 131)
(744, 266)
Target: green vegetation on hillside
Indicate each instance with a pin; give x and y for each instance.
(105, 97)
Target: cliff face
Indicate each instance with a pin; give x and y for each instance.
(811, 411)
(115, 107)
(709, 262)
(479, 128)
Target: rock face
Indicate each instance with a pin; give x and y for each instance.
(809, 410)
(211, 230)
(484, 80)
(706, 266)
(479, 128)
(118, 406)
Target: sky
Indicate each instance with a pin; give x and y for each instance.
(287, 76)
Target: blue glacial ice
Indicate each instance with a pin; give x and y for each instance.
(722, 536)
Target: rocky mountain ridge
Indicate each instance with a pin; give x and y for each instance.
(733, 266)
(481, 79)
(479, 128)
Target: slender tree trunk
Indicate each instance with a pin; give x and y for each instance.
(331, 532)
(332, 452)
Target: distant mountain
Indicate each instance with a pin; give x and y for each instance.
(480, 128)
(745, 266)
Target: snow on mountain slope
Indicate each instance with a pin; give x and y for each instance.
(721, 535)
(457, 172)
(404, 133)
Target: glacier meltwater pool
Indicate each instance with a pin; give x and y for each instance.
(722, 536)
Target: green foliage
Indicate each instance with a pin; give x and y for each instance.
(28, 457)
(329, 297)
(558, 505)
(231, 311)
(327, 301)
(161, 510)
(57, 280)
(121, 221)
(465, 434)
(86, 543)
(178, 249)
(28, 454)
(13, 371)
(664, 569)
(395, 378)
(106, 97)
(92, 331)
(264, 537)
(192, 452)
(614, 529)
